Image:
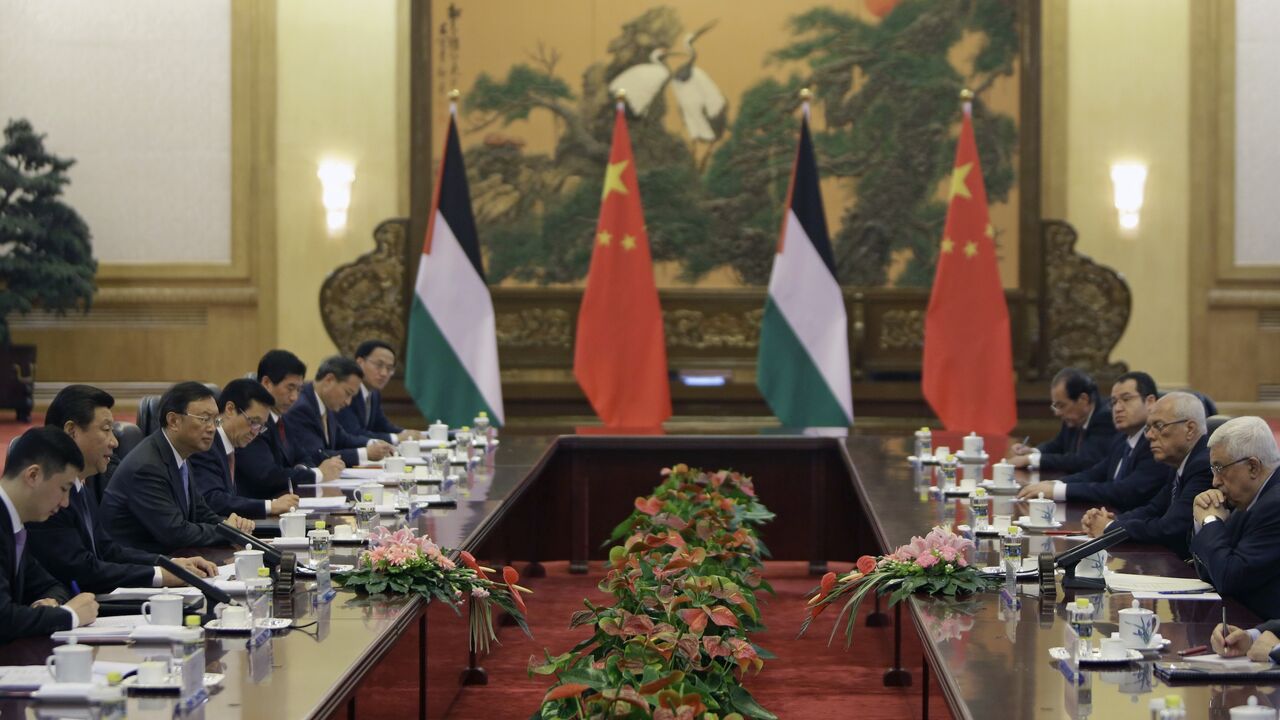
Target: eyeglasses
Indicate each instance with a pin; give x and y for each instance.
(254, 426)
(1160, 426)
(1218, 469)
(202, 419)
(389, 368)
(1125, 399)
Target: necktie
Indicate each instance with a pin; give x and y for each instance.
(280, 430)
(19, 544)
(82, 508)
(1177, 477)
(186, 489)
(368, 409)
(231, 470)
(324, 423)
(1124, 461)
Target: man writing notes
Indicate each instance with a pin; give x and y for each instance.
(74, 545)
(364, 418)
(314, 432)
(38, 475)
(152, 503)
(1175, 429)
(1237, 522)
(1129, 476)
(263, 469)
(245, 406)
(1086, 431)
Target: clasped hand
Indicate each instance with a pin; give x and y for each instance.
(1095, 521)
(1210, 503)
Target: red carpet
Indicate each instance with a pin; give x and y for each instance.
(807, 680)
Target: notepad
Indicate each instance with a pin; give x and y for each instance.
(322, 503)
(1126, 582)
(115, 628)
(30, 677)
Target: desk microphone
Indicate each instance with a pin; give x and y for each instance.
(1069, 559)
(270, 555)
(212, 593)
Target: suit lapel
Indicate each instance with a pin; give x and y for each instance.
(175, 475)
(11, 547)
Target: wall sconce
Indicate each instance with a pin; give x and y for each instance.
(1128, 179)
(336, 177)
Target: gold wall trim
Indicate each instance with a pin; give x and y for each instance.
(1055, 86)
(1244, 298)
(125, 316)
(176, 296)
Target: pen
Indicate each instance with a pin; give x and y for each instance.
(1224, 625)
(75, 588)
(1061, 532)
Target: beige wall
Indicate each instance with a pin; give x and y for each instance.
(339, 79)
(1126, 98)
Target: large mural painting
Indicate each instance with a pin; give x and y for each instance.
(712, 98)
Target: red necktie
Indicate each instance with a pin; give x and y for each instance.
(231, 468)
(280, 430)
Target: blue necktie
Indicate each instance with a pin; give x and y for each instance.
(82, 507)
(186, 489)
(1123, 467)
(19, 544)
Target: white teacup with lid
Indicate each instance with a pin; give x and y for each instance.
(1253, 711)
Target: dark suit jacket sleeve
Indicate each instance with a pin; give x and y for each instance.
(206, 473)
(1249, 565)
(350, 422)
(350, 445)
(1271, 626)
(1172, 527)
(1056, 446)
(17, 618)
(258, 475)
(59, 546)
(1132, 490)
(152, 505)
(306, 437)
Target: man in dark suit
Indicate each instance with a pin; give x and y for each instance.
(246, 406)
(1129, 476)
(152, 503)
(263, 470)
(73, 545)
(1237, 538)
(1175, 429)
(38, 475)
(364, 417)
(1086, 433)
(314, 432)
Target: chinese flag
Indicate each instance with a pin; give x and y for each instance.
(968, 357)
(620, 355)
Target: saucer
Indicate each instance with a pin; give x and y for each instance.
(211, 680)
(308, 571)
(1095, 658)
(289, 542)
(1021, 522)
(359, 537)
(991, 487)
(270, 624)
(972, 459)
(1158, 643)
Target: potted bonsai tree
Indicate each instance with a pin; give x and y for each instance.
(46, 261)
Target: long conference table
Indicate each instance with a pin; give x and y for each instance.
(539, 498)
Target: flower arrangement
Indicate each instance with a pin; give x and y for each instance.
(404, 562)
(676, 642)
(936, 564)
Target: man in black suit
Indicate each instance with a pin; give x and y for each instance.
(263, 469)
(1086, 433)
(38, 475)
(314, 433)
(1175, 429)
(1237, 538)
(73, 545)
(246, 406)
(151, 503)
(364, 418)
(1129, 476)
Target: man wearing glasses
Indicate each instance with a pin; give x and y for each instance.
(1129, 476)
(1237, 537)
(364, 418)
(1175, 429)
(246, 406)
(1086, 433)
(152, 503)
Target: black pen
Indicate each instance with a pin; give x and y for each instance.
(1184, 592)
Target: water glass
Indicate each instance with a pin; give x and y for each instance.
(365, 514)
(408, 486)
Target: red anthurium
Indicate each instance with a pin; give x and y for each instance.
(656, 685)
(715, 646)
(637, 624)
(866, 564)
(568, 690)
(511, 577)
(470, 561)
(695, 618)
(649, 506)
(722, 616)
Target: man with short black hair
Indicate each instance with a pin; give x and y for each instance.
(364, 418)
(38, 474)
(151, 503)
(314, 434)
(263, 469)
(1129, 476)
(245, 407)
(1086, 432)
(74, 545)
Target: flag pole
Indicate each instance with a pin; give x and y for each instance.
(966, 101)
(454, 94)
(805, 95)
(620, 95)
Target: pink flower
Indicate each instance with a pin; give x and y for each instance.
(947, 553)
(927, 560)
(479, 592)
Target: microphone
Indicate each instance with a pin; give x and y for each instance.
(213, 594)
(270, 555)
(1069, 559)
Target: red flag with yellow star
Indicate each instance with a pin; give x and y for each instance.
(968, 355)
(620, 354)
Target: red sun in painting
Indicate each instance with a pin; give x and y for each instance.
(880, 8)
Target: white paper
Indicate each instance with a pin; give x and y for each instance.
(1126, 582)
(1141, 595)
(322, 503)
(30, 677)
(108, 629)
(361, 474)
(1236, 663)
